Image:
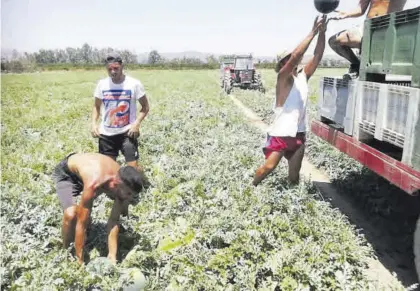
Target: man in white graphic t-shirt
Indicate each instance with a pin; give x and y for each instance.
(116, 100)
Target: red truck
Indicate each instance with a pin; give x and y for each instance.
(375, 119)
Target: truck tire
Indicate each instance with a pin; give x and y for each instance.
(228, 84)
(228, 87)
(260, 85)
(416, 247)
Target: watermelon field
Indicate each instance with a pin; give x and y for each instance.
(202, 225)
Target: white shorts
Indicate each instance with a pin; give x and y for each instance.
(357, 30)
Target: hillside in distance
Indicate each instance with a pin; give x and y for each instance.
(142, 57)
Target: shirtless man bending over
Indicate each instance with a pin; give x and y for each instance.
(93, 174)
(343, 42)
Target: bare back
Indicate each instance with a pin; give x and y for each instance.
(93, 169)
(382, 7)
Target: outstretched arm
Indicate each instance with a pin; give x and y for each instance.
(83, 214)
(293, 62)
(359, 11)
(311, 67)
(299, 51)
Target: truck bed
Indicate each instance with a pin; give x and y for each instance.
(381, 163)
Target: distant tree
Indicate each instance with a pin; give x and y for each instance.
(96, 56)
(103, 52)
(45, 57)
(61, 56)
(29, 57)
(154, 57)
(72, 55)
(15, 55)
(211, 60)
(86, 54)
(4, 63)
(128, 57)
(191, 61)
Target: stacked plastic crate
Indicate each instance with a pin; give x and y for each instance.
(389, 109)
(384, 102)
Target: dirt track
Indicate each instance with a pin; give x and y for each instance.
(380, 276)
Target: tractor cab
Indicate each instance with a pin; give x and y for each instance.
(243, 70)
(240, 73)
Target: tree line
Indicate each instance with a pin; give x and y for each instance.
(87, 57)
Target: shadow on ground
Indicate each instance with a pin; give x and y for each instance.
(384, 214)
(97, 239)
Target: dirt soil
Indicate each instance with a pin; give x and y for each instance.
(381, 277)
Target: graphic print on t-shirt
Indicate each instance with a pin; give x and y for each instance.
(117, 108)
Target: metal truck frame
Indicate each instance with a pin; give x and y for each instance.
(344, 120)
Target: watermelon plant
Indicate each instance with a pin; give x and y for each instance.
(390, 209)
(201, 226)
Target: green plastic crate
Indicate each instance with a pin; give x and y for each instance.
(391, 45)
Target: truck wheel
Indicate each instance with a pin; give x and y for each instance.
(416, 247)
(227, 86)
(260, 85)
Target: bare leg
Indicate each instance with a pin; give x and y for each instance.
(69, 224)
(343, 42)
(269, 165)
(124, 211)
(295, 163)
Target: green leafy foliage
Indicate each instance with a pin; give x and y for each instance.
(385, 205)
(201, 226)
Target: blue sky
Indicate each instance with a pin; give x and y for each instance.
(262, 27)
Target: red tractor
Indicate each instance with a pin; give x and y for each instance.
(239, 71)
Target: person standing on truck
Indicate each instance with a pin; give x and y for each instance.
(344, 41)
(89, 175)
(286, 134)
(119, 128)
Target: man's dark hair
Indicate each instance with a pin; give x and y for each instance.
(113, 58)
(132, 178)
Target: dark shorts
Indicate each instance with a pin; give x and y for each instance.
(112, 145)
(287, 144)
(68, 184)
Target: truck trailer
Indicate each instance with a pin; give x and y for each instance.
(375, 118)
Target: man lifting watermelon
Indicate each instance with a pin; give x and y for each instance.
(286, 134)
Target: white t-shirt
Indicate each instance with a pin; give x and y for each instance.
(291, 118)
(119, 104)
